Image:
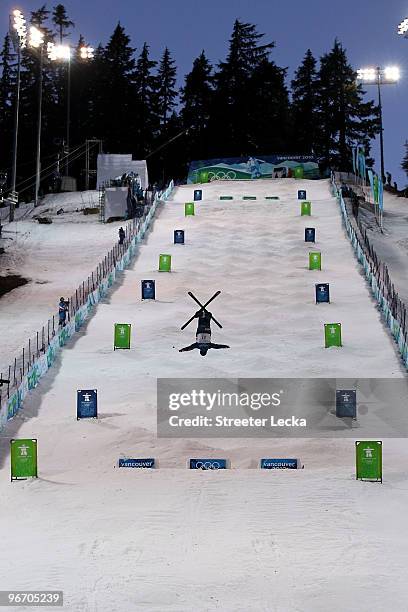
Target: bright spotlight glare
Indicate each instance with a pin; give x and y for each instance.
(367, 74)
(86, 52)
(403, 27)
(58, 52)
(392, 73)
(36, 37)
(19, 24)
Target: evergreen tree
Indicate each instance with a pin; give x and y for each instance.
(166, 92)
(146, 111)
(116, 93)
(344, 118)
(268, 123)
(233, 95)
(196, 98)
(60, 19)
(404, 164)
(7, 83)
(304, 105)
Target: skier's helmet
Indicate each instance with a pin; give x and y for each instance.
(203, 351)
(62, 299)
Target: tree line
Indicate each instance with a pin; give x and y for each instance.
(241, 106)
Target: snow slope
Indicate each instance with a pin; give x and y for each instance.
(55, 259)
(174, 540)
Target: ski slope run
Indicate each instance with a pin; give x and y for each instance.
(175, 540)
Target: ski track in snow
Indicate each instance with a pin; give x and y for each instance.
(240, 540)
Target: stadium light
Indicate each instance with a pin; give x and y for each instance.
(18, 34)
(86, 52)
(36, 37)
(379, 76)
(58, 52)
(403, 28)
(19, 25)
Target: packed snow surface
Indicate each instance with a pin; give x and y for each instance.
(239, 540)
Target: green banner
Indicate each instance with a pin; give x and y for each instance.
(298, 172)
(369, 460)
(23, 459)
(122, 336)
(332, 334)
(305, 208)
(315, 260)
(189, 210)
(164, 263)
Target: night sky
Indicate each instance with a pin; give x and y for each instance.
(367, 28)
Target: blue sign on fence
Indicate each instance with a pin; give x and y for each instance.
(302, 194)
(198, 195)
(310, 234)
(322, 293)
(87, 404)
(136, 463)
(346, 403)
(208, 464)
(279, 464)
(178, 236)
(148, 290)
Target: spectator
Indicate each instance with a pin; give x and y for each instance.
(122, 235)
(62, 311)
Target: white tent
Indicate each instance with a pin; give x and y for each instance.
(111, 166)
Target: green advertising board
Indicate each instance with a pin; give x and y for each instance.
(122, 336)
(165, 263)
(305, 208)
(189, 210)
(298, 172)
(369, 460)
(315, 260)
(332, 334)
(23, 459)
(203, 176)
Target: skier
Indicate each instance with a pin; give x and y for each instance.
(62, 311)
(121, 235)
(203, 335)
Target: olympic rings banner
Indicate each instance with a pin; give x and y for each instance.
(241, 168)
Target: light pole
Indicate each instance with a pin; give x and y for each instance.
(36, 41)
(18, 32)
(63, 53)
(379, 76)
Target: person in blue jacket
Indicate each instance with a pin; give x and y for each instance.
(62, 312)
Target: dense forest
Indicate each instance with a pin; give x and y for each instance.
(244, 105)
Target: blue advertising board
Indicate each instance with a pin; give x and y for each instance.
(208, 464)
(198, 195)
(279, 464)
(148, 290)
(87, 404)
(178, 236)
(302, 194)
(322, 293)
(136, 463)
(310, 234)
(346, 403)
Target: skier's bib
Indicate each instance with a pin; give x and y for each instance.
(203, 338)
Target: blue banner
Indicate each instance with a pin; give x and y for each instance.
(87, 404)
(240, 168)
(148, 290)
(346, 403)
(198, 195)
(136, 463)
(322, 293)
(279, 464)
(178, 236)
(302, 194)
(310, 234)
(380, 194)
(208, 464)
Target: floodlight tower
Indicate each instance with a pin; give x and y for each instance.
(379, 76)
(403, 28)
(64, 53)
